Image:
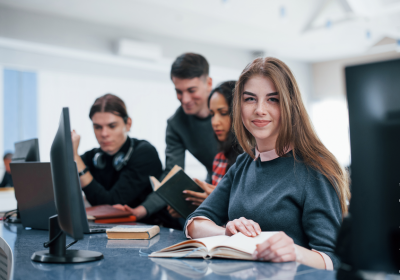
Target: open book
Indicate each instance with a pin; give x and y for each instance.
(171, 188)
(237, 246)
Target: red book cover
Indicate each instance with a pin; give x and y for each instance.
(116, 220)
(106, 212)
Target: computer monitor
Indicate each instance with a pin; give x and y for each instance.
(373, 93)
(68, 200)
(27, 150)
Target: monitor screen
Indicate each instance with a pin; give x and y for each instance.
(26, 151)
(373, 93)
(66, 185)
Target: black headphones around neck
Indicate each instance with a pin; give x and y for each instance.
(119, 160)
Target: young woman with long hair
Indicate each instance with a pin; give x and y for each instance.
(285, 181)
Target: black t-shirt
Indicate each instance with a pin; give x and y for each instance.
(131, 184)
(7, 180)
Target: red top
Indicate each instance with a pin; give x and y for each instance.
(219, 168)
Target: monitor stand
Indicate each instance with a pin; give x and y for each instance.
(58, 253)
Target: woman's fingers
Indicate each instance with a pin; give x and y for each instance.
(208, 188)
(276, 253)
(272, 249)
(196, 194)
(247, 227)
(267, 243)
(205, 186)
(193, 199)
(278, 247)
(119, 206)
(250, 226)
(173, 213)
(244, 227)
(230, 229)
(256, 226)
(127, 208)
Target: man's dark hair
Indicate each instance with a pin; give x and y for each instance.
(7, 156)
(189, 66)
(109, 103)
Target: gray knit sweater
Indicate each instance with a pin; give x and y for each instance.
(280, 195)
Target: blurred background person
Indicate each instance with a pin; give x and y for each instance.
(118, 171)
(7, 179)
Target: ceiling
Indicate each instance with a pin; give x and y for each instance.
(307, 30)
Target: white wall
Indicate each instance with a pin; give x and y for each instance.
(328, 103)
(98, 38)
(149, 105)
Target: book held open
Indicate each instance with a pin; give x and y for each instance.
(171, 190)
(237, 246)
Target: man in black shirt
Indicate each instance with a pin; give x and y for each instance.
(117, 172)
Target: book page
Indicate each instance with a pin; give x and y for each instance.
(244, 243)
(213, 241)
(156, 184)
(208, 242)
(175, 169)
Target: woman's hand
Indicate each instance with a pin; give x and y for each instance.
(173, 213)
(247, 227)
(139, 212)
(76, 138)
(278, 248)
(196, 197)
(208, 188)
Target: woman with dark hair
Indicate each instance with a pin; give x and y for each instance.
(118, 171)
(220, 105)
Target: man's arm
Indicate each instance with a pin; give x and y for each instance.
(175, 151)
(174, 155)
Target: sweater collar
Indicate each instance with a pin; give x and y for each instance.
(269, 155)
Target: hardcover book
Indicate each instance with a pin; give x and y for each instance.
(106, 214)
(171, 190)
(132, 232)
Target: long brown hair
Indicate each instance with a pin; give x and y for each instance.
(295, 130)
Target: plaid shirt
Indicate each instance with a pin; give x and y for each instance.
(219, 168)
